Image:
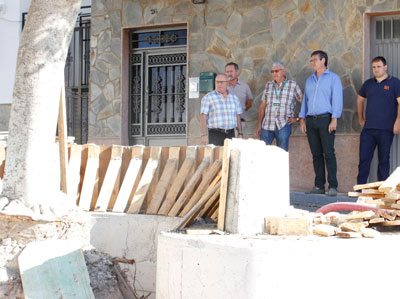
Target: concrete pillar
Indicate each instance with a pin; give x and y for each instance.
(258, 185)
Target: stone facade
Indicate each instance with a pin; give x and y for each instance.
(253, 33)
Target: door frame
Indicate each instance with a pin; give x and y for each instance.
(125, 49)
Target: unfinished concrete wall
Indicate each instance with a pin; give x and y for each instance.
(258, 185)
(220, 267)
(132, 236)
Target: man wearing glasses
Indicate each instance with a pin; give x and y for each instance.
(322, 106)
(276, 112)
(220, 114)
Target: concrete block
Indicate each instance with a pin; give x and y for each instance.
(231, 266)
(258, 185)
(132, 236)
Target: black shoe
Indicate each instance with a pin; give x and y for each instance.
(315, 190)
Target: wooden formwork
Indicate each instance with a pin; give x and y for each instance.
(181, 181)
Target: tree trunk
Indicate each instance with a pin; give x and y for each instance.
(29, 172)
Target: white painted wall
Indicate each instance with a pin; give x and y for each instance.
(10, 33)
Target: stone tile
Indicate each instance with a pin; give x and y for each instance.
(282, 7)
(234, 22)
(109, 58)
(97, 77)
(102, 66)
(98, 8)
(296, 30)
(114, 73)
(98, 104)
(132, 14)
(106, 112)
(98, 24)
(349, 98)
(116, 23)
(95, 91)
(255, 20)
(114, 124)
(116, 46)
(196, 24)
(216, 18)
(279, 28)
(108, 92)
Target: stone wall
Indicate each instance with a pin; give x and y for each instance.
(252, 33)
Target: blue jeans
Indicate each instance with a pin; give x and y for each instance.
(369, 140)
(281, 136)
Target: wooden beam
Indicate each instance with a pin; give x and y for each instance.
(201, 189)
(92, 167)
(224, 185)
(131, 180)
(167, 177)
(193, 212)
(367, 186)
(111, 181)
(62, 142)
(190, 188)
(391, 182)
(74, 167)
(213, 199)
(144, 184)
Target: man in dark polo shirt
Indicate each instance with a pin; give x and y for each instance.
(382, 119)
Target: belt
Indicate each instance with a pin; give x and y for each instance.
(319, 116)
(225, 131)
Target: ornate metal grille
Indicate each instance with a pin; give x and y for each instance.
(157, 86)
(76, 74)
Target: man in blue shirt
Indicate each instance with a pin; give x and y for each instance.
(322, 106)
(382, 119)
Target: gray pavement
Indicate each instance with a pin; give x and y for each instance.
(312, 202)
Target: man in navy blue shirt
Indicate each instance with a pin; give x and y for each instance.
(322, 106)
(382, 119)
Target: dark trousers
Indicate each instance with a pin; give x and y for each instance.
(322, 148)
(369, 139)
(217, 136)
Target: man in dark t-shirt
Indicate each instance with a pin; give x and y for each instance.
(382, 119)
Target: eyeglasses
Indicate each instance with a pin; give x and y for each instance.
(314, 59)
(275, 71)
(220, 82)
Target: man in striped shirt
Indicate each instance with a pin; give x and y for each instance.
(276, 112)
(220, 113)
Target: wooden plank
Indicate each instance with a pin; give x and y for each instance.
(348, 235)
(92, 167)
(391, 182)
(167, 177)
(131, 180)
(189, 189)
(391, 223)
(393, 195)
(54, 269)
(192, 214)
(370, 233)
(224, 185)
(111, 181)
(214, 215)
(367, 186)
(62, 141)
(144, 184)
(359, 215)
(205, 183)
(212, 200)
(324, 230)
(358, 194)
(74, 166)
(376, 220)
(156, 178)
(214, 209)
(372, 191)
(104, 160)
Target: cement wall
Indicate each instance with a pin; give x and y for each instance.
(220, 267)
(134, 237)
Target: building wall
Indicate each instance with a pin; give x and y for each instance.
(252, 33)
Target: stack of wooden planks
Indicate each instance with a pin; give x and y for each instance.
(383, 195)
